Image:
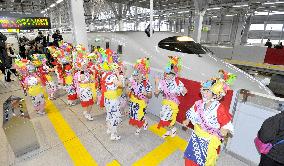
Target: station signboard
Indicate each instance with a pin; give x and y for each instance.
(25, 23)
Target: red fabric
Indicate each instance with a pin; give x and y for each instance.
(72, 97)
(103, 89)
(87, 103)
(193, 94)
(274, 56)
(223, 115)
(135, 122)
(163, 124)
(41, 75)
(189, 162)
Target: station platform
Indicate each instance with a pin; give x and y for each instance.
(276, 69)
(67, 138)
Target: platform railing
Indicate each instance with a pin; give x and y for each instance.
(249, 110)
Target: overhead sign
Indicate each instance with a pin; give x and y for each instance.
(25, 23)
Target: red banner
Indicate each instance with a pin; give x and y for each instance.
(274, 56)
(193, 94)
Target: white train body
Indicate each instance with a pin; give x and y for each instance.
(136, 45)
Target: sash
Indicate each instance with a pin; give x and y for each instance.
(142, 105)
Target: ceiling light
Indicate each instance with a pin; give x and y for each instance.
(52, 5)
(59, 1)
(240, 5)
(42, 11)
(229, 15)
(184, 38)
(215, 16)
(215, 8)
(268, 3)
(280, 2)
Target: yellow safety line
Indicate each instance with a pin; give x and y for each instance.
(113, 163)
(160, 153)
(177, 141)
(253, 64)
(76, 150)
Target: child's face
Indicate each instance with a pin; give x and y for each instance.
(206, 94)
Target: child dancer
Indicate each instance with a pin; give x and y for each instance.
(109, 85)
(69, 84)
(82, 81)
(171, 87)
(140, 91)
(212, 122)
(35, 90)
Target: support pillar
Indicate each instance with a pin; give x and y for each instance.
(186, 27)
(198, 26)
(151, 17)
(244, 37)
(78, 23)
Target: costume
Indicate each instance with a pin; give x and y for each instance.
(171, 87)
(34, 89)
(69, 85)
(82, 80)
(138, 88)
(43, 73)
(110, 98)
(206, 138)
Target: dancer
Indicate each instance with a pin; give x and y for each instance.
(212, 122)
(84, 90)
(43, 72)
(35, 91)
(110, 100)
(69, 84)
(139, 90)
(171, 87)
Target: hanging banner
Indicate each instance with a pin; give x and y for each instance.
(25, 23)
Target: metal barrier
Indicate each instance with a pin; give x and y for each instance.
(250, 111)
(17, 126)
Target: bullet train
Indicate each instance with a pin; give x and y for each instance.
(198, 63)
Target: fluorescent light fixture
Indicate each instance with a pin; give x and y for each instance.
(276, 12)
(280, 2)
(184, 38)
(229, 15)
(215, 16)
(59, 1)
(42, 11)
(183, 12)
(240, 5)
(52, 5)
(268, 3)
(215, 8)
(261, 13)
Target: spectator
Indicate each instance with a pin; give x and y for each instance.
(22, 46)
(272, 131)
(9, 62)
(41, 39)
(56, 38)
(279, 46)
(3, 39)
(268, 43)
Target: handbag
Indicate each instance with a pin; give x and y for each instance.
(264, 148)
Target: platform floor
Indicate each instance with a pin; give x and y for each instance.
(67, 138)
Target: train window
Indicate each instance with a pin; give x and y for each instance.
(119, 49)
(107, 45)
(181, 44)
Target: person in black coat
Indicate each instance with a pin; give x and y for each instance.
(268, 43)
(56, 38)
(272, 131)
(3, 39)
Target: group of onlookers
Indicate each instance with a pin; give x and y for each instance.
(27, 48)
(269, 44)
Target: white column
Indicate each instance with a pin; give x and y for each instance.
(120, 25)
(78, 22)
(198, 26)
(151, 17)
